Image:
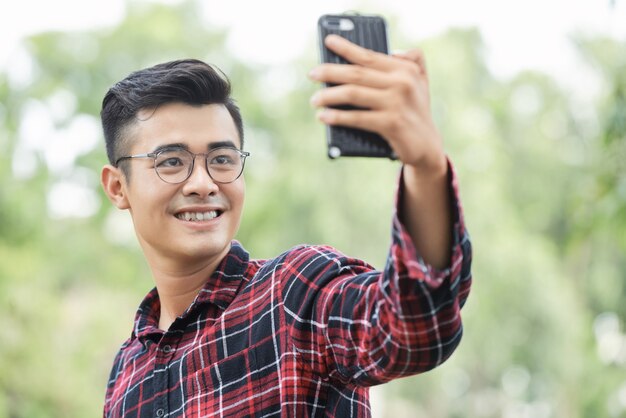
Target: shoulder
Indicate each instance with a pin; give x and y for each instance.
(310, 263)
(305, 254)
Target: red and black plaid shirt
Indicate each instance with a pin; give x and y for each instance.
(301, 335)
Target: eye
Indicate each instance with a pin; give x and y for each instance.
(171, 159)
(224, 158)
(221, 160)
(169, 162)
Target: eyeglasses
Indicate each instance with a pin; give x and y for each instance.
(175, 165)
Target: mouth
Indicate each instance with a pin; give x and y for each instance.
(198, 216)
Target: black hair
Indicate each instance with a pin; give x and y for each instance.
(188, 81)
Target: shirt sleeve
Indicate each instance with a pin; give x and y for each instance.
(362, 326)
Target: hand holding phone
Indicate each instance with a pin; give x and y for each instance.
(369, 32)
(379, 93)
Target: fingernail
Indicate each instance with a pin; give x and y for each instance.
(315, 99)
(331, 40)
(323, 115)
(314, 73)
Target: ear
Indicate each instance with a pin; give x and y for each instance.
(114, 185)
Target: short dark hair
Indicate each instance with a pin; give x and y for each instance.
(188, 81)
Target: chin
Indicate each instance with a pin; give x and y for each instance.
(198, 252)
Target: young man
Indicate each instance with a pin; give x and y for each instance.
(305, 333)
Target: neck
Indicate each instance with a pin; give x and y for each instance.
(178, 284)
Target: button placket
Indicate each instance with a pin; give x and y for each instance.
(164, 356)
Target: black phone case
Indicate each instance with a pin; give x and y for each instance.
(369, 32)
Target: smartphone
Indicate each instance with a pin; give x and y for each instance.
(370, 32)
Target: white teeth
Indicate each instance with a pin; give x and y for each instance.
(197, 216)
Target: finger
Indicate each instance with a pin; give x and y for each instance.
(358, 55)
(416, 56)
(368, 120)
(350, 95)
(349, 74)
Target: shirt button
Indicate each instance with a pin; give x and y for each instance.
(160, 412)
(167, 349)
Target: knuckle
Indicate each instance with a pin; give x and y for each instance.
(405, 83)
(368, 58)
(393, 123)
(340, 118)
(357, 74)
(328, 71)
(410, 67)
(350, 118)
(351, 93)
(414, 69)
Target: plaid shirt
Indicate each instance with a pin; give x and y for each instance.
(301, 335)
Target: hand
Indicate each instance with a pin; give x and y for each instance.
(394, 90)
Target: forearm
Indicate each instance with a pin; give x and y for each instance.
(426, 212)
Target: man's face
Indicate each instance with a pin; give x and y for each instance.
(160, 210)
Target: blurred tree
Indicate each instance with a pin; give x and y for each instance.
(542, 180)
(547, 310)
(60, 277)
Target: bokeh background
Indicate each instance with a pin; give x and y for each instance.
(530, 97)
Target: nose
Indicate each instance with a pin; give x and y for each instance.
(199, 182)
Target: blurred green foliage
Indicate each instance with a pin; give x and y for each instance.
(543, 181)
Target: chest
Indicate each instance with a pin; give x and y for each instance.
(212, 362)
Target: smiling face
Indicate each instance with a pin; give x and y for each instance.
(191, 221)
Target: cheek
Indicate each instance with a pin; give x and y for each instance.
(240, 194)
(235, 195)
(148, 204)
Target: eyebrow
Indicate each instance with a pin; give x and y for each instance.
(219, 144)
(180, 145)
(168, 147)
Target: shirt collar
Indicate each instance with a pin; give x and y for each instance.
(220, 289)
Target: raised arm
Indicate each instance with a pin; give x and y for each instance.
(395, 91)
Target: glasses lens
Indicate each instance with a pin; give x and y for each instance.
(173, 165)
(224, 164)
